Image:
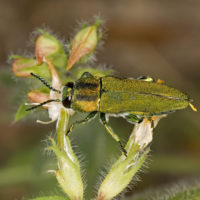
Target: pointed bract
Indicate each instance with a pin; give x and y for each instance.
(21, 112)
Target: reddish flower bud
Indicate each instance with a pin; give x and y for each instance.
(35, 96)
(48, 46)
(22, 67)
(83, 44)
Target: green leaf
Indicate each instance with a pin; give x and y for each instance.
(51, 198)
(21, 112)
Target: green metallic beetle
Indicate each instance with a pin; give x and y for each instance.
(132, 99)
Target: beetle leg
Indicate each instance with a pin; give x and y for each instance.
(110, 131)
(86, 75)
(151, 121)
(159, 81)
(133, 118)
(91, 116)
(152, 124)
(150, 79)
(146, 78)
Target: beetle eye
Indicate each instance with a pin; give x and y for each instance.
(67, 94)
(67, 102)
(70, 85)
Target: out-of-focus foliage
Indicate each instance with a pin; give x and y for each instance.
(180, 191)
(50, 198)
(21, 112)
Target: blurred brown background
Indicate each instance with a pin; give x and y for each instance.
(160, 38)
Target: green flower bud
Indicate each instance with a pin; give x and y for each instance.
(121, 174)
(68, 174)
(123, 170)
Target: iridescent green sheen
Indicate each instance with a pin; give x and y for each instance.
(139, 97)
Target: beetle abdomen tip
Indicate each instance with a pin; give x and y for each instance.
(192, 107)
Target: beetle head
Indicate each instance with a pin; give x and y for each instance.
(67, 93)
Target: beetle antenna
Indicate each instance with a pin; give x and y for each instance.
(43, 103)
(45, 83)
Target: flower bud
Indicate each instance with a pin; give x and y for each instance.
(123, 170)
(68, 174)
(142, 133)
(121, 174)
(22, 67)
(48, 46)
(83, 43)
(36, 96)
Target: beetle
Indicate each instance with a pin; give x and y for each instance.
(133, 99)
